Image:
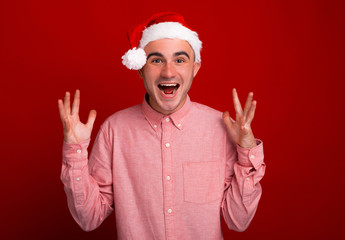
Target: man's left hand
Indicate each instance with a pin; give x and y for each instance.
(240, 130)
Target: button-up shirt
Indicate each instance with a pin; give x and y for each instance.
(167, 177)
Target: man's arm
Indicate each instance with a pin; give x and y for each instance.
(87, 183)
(242, 192)
(245, 166)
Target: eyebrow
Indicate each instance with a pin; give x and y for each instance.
(154, 54)
(158, 54)
(181, 53)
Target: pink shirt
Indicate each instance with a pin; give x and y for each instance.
(167, 177)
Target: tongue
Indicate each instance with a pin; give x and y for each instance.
(169, 90)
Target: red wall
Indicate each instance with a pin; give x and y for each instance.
(290, 53)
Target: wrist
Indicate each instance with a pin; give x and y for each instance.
(249, 143)
(248, 146)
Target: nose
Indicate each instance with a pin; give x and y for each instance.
(168, 70)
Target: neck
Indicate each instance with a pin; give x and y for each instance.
(160, 110)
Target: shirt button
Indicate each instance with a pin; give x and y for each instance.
(78, 179)
(179, 125)
(168, 178)
(167, 145)
(167, 119)
(252, 156)
(169, 210)
(247, 178)
(78, 151)
(154, 126)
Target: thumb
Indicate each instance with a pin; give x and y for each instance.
(228, 121)
(67, 125)
(91, 119)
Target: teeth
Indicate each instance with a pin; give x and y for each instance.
(168, 85)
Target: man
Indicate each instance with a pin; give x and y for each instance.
(169, 167)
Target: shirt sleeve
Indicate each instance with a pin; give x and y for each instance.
(242, 191)
(88, 182)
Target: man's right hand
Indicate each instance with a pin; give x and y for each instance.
(74, 131)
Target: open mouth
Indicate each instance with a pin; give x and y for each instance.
(168, 88)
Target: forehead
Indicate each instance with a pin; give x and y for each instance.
(168, 46)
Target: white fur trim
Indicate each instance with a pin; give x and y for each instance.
(172, 30)
(134, 58)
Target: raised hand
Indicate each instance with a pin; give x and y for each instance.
(240, 129)
(74, 131)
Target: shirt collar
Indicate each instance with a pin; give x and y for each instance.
(155, 118)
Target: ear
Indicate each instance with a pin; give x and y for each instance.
(196, 68)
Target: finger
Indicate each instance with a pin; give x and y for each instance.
(251, 112)
(237, 104)
(67, 103)
(62, 111)
(76, 102)
(91, 119)
(248, 103)
(228, 121)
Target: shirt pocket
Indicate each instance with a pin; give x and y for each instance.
(201, 182)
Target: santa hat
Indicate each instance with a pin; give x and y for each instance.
(159, 26)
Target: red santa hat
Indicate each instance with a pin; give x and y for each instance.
(159, 26)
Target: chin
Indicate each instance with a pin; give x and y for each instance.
(167, 105)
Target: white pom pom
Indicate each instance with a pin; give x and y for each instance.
(134, 58)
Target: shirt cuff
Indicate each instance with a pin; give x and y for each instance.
(75, 151)
(251, 157)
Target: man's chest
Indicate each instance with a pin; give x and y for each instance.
(187, 164)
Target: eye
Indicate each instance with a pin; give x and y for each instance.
(180, 60)
(156, 60)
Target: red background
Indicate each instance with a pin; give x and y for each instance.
(290, 53)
